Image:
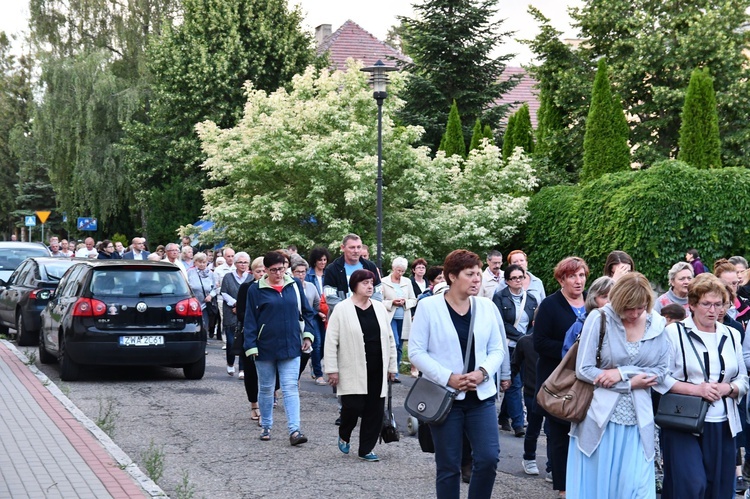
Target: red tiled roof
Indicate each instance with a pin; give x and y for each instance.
(523, 92)
(350, 40)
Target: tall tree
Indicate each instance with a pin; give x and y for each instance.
(451, 43)
(453, 141)
(509, 137)
(605, 146)
(476, 136)
(700, 145)
(198, 69)
(523, 134)
(487, 134)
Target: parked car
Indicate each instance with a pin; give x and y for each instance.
(126, 313)
(25, 294)
(12, 253)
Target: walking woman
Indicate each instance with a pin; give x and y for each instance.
(559, 312)
(437, 347)
(611, 452)
(679, 277)
(360, 359)
(275, 308)
(704, 465)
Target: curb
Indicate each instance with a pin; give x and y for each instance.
(124, 461)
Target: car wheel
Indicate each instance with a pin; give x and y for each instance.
(44, 356)
(69, 370)
(24, 337)
(196, 369)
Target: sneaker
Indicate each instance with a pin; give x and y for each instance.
(548, 477)
(320, 381)
(297, 438)
(520, 432)
(230, 370)
(344, 446)
(371, 457)
(265, 434)
(530, 467)
(224, 347)
(241, 375)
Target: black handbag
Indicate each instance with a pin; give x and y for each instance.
(429, 402)
(389, 431)
(685, 413)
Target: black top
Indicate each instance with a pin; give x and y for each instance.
(371, 336)
(462, 324)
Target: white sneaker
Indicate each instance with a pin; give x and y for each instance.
(529, 467)
(548, 477)
(241, 375)
(230, 370)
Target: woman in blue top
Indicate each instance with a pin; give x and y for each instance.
(611, 451)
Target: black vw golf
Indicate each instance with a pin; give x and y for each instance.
(123, 312)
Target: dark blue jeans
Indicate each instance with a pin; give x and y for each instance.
(397, 326)
(475, 419)
(317, 353)
(512, 407)
(229, 334)
(533, 430)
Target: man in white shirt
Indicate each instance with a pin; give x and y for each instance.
(88, 251)
(492, 277)
(65, 248)
(173, 256)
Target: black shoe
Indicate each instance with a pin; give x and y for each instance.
(338, 421)
(740, 485)
(520, 432)
(396, 381)
(466, 473)
(505, 425)
(297, 438)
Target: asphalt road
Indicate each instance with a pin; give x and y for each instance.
(210, 447)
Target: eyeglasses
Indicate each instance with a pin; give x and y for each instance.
(276, 270)
(242, 263)
(709, 306)
(516, 278)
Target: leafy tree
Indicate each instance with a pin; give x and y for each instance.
(313, 183)
(700, 145)
(453, 142)
(198, 68)
(605, 145)
(509, 137)
(476, 136)
(523, 135)
(451, 45)
(487, 134)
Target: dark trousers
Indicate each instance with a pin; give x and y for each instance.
(229, 332)
(370, 408)
(251, 379)
(699, 466)
(533, 430)
(557, 450)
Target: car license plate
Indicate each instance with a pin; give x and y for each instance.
(141, 341)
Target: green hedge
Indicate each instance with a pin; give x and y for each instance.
(654, 215)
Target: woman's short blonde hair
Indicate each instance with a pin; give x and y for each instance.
(258, 262)
(702, 285)
(200, 257)
(632, 290)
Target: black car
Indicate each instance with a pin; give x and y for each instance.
(125, 313)
(25, 294)
(12, 253)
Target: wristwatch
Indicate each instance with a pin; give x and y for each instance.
(486, 376)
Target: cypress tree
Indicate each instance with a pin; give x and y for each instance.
(508, 137)
(476, 136)
(453, 140)
(605, 144)
(700, 145)
(487, 134)
(522, 131)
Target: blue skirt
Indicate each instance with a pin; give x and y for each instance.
(617, 469)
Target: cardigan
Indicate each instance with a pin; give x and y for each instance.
(435, 350)
(731, 354)
(652, 359)
(389, 295)
(344, 350)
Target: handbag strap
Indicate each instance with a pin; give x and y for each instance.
(471, 337)
(390, 407)
(690, 340)
(602, 331)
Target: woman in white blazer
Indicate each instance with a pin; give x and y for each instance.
(360, 354)
(437, 346)
(399, 300)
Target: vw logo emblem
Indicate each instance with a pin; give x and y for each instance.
(421, 407)
(141, 307)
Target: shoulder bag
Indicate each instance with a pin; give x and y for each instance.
(685, 413)
(430, 402)
(563, 395)
(389, 431)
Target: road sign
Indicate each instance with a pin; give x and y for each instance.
(30, 220)
(86, 223)
(43, 215)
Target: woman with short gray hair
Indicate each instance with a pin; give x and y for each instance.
(680, 276)
(399, 300)
(202, 282)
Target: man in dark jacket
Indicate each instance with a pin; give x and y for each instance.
(336, 280)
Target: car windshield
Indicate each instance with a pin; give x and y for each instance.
(138, 282)
(55, 270)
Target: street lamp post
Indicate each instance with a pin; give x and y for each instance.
(379, 80)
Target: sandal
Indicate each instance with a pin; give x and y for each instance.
(255, 414)
(265, 435)
(297, 438)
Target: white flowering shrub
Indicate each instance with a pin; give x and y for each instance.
(300, 168)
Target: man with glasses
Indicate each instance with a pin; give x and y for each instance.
(492, 277)
(173, 256)
(138, 251)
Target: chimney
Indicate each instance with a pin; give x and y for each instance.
(321, 33)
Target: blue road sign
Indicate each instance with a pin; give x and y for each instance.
(30, 220)
(86, 223)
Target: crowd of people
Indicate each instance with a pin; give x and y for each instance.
(493, 336)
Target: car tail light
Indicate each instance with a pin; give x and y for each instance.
(188, 308)
(39, 294)
(88, 307)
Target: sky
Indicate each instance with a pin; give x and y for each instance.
(376, 17)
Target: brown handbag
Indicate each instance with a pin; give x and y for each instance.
(563, 395)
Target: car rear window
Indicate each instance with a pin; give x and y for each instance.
(55, 270)
(10, 258)
(138, 282)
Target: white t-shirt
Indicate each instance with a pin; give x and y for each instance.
(716, 412)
